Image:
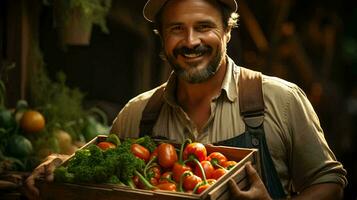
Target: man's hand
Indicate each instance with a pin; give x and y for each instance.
(257, 189)
(44, 170)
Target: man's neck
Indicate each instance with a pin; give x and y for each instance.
(195, 99)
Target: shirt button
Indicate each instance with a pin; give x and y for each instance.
(255, 141)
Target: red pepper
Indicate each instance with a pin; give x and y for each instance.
(218, 173)
(140, 152)
(154, 172)
(229, 164)
(154, 153)
(180, 167)
(203, 186)
(105, 145)
(216, 158)
(196, 152)
(166, 178)
(190, 181)
(195, 149)
(167, 186)
(178, 170)
(207, 168)
(167, 155)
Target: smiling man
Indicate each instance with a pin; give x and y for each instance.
(209, 99)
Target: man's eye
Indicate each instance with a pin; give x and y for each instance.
(176, 28)
(203, 27)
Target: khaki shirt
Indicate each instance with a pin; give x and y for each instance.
(294, 136)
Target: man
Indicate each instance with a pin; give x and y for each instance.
(201, 101)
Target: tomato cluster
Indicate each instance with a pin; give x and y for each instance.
(191, 171)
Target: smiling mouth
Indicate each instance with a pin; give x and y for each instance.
(192, 55)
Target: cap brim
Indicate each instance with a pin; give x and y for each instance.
(152, 7)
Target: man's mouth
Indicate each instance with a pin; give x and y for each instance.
(196, 52)
(192, 55)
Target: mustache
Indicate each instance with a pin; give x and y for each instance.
(196, 50)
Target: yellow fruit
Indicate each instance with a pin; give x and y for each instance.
(32, 121)
(64, 141)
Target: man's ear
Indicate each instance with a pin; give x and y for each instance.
(159, 35)
(228, 34)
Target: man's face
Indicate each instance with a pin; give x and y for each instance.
(194, 38)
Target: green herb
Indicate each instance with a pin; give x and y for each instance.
(93, 165)
(92, 11)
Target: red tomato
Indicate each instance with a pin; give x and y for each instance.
(216, 158)
(229, 164)
(196, 149)
(140, 152)
(217, 173)
(178, 169)
(106, 145)
(207, 168)
(166, 177)
(167, 155)
(166, 186)
(190, 182)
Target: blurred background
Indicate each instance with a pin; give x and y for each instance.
(311, 43)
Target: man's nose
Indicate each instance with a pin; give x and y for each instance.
(192, 39)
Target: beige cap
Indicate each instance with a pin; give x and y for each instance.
(152, 7)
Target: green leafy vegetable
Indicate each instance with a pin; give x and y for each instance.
(93, 165)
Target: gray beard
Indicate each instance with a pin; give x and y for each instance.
(194, 75)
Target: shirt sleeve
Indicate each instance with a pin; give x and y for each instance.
(311, 160)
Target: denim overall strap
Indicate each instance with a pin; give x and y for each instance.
(251, 104)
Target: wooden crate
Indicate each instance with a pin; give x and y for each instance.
(218, 191)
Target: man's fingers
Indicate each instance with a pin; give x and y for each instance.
(44, 170)
(234, 189)
(51, 167)
(252, 173)
(31, 191)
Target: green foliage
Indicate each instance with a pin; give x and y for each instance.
(3, 75)
(128, 163)
(61, 105)
(114, 180)
(93, 11)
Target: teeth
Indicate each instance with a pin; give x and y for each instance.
(192, 55)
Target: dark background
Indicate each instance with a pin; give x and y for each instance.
(310, 43)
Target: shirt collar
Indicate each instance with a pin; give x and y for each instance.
(170, 90)
(229, 84)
